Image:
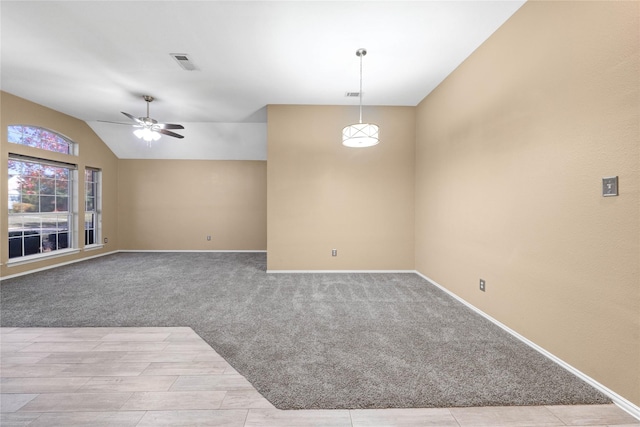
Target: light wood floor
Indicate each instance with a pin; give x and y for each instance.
(170, 376)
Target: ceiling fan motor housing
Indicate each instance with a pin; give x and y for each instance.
(148, 121)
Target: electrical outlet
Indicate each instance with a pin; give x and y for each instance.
(106, 240)
(483, 285)
(208, 238)
(334, 252)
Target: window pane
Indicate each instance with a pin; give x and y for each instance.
(29, 184)
(32, 136)
(15, 225)
(57, 172)
(62, 187)
(63, 240)
(15, 247)
(89, 221)
(89, 237)
(47, 203)
(48, 186)
(89, 229)
(62, 204)
(16, 235)
(31, 244)
(31, 236)
(14, 186)
(17, 167)
(90, 189)
(30, 180)
(90, 204)
(14, 134)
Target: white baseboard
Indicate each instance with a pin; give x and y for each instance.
(340, 271)
(24, 273)
(193, 250)
(623, 403)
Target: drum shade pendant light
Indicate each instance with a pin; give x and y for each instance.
(360, 135)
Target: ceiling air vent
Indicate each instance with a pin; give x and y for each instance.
(184, 61)
(352, 94)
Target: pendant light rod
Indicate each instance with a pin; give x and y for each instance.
(148, 99)
(360, 53)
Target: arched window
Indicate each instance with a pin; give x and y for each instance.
(37, 137)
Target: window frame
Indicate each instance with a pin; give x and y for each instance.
(71, 214)
(97, 208)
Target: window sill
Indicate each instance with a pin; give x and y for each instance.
(93, 247)
(41, 257)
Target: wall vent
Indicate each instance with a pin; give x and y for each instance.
(183, 60)
(352, 94)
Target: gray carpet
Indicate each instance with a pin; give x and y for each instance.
(305, 340)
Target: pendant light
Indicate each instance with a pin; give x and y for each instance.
(360, 135)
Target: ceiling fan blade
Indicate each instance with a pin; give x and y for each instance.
(169, 126)
(117, 123)
(169, 133)
(135, 119)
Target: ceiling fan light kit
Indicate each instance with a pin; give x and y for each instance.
(360, 135)
(147, 134)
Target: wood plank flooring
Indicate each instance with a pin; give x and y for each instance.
(171, 377)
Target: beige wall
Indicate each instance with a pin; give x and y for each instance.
(323, 196)
(511, 149)
(176, 204)
(92, 153)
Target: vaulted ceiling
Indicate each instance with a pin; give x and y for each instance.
(94, 59)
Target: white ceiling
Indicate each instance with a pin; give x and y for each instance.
(94, 59)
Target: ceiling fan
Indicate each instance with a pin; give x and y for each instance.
(149, 129)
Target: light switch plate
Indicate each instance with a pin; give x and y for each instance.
(610, 186)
